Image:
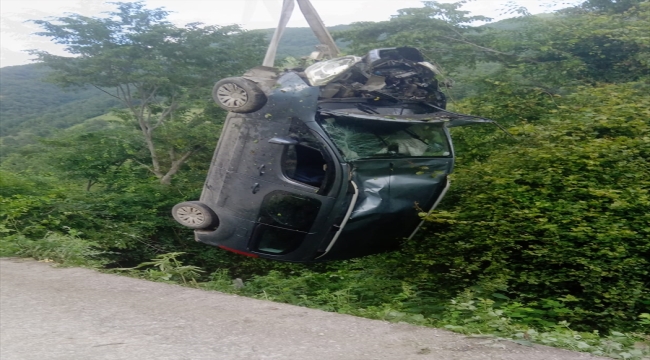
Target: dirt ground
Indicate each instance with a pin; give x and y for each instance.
(72, 313)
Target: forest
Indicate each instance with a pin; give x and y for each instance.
(544, 236)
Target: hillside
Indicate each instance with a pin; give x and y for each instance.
(30, 106)
(27, 101)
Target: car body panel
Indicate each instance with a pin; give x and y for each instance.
(285, 187)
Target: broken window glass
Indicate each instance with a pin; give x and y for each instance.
(362, 139)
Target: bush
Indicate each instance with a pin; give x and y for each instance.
(562, 218)
(65, 249)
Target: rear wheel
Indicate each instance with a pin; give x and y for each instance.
(195, 215)
(238, 95)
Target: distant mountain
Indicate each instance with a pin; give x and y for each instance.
(27, 101)
(31, 107)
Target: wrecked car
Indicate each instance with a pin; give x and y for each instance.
(330, 162)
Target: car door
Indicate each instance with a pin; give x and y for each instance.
(295, 220)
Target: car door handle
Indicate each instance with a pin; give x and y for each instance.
(256, 188)
(261, 169)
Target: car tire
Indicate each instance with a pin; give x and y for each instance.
(238, 95)
(195, 215)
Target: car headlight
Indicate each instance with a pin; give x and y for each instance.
(323, 72)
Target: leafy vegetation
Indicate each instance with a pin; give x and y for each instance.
(544, 239)
(156, 70)
(31, 107)
(563, 216)
(27, 100)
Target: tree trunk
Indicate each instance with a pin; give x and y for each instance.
(89, 184)
(176, 165)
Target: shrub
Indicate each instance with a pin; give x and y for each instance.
(562, 217)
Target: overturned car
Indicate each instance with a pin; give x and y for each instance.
(331, 162)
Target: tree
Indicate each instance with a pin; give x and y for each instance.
(158, 71)
(563, 214)
(441, 30)
(543, 52)
(610, 6)
(94, 157)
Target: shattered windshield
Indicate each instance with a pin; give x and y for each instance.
(363, 139)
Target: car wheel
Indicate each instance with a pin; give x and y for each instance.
(238, 95)
(195, 215)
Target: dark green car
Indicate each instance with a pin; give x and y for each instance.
(307, 171)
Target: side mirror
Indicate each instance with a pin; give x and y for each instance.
(283, 141)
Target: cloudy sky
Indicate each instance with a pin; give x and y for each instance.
(16, 34)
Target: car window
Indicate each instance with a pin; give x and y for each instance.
(362, 139)
(289, 210)
(278, 241)
(285, 219)
(307, 162)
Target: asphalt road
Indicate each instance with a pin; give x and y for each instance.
(70, 313)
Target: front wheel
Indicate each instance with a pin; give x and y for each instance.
(238, 95)
(195, 215)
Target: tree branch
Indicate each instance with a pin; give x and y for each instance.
(157, 174)
(90, 184)
(165, 113)
(126, 99)
(172, 154)
(176, 165)
(478, 46)
(104, 91)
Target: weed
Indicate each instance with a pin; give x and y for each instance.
(470, 315)
(167, 268)
(65, 249)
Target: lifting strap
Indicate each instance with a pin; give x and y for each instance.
(314, 21)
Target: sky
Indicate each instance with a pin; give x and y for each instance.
(17, 34)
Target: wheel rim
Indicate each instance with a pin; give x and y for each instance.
(190, 215)
(232, 95)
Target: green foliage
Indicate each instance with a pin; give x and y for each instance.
(346, 287)
(562, 216)
(167, 267)
(29, 102)
(127, 217)
(543, 239)
(479, 316)
(138, 46)
(127, 214)
(583, 48)
(95, 157)
(159, 72)
(542, 55)
(32, 108)
(66, 249)
(440, 30)
(610, 6)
